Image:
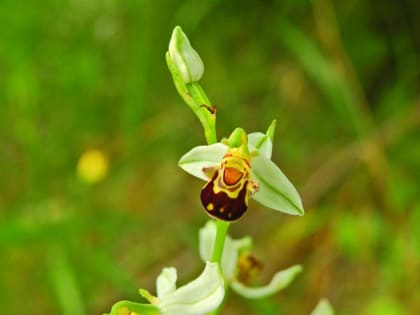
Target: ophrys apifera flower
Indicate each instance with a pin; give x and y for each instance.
(198, 297)
(239, 266)
(239, 168)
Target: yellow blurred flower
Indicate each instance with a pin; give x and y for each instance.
(92, 166)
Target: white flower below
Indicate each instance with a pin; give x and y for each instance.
(230, 258)
(198, 297)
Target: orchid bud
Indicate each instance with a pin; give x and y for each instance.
(184, 58)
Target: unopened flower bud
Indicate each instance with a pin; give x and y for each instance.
(185, 59)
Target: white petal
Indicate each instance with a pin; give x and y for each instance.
(199, 157)
(206, 237)
(260, 142)
(231, 249)
(280, 280)
(198, 297)
(275, 189)
(323, 308)
(165, 282)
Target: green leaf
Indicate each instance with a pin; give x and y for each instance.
(128, 308)
(65, 283)
(199, 157)
(323, 308)
(275, 189)
(280, 280)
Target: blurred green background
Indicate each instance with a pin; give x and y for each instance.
(341, 78)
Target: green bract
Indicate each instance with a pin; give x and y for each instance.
(323, 308)
(275, 190)
(131, 308)
(184, 57)
(230, 258)
(198, 297)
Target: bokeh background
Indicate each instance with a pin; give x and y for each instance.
(341, 78)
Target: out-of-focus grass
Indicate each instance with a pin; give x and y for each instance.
(342, 80)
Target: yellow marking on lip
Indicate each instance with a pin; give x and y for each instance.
(210, 207)
(222, 209)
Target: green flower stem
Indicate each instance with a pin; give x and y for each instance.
(205, 112)
(222, 228)
(197, 100)
(195, 97)
(221, 232)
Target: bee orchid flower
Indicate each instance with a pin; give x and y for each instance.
(198, 297)
(238, 265)
(239, 168)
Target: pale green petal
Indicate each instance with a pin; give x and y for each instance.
(275, 189)
(260, 142)
(231, 249)
(129, 308)
(165, 282)
(323, 308)
(198, 297)
(280, 280)
(199, 157)
(186, 60)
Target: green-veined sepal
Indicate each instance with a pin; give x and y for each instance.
(201, 157)
(280, 280)
(275, 189)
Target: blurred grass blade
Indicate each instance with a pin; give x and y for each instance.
(64, 283)
(104, 267)
(323, 73)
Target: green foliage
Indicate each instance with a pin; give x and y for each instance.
(341, 78)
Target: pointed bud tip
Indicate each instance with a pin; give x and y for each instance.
(271, 129)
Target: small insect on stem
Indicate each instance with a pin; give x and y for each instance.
(211, 109)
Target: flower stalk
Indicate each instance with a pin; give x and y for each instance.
(221, 232)
(183, 61)
(186, 68)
